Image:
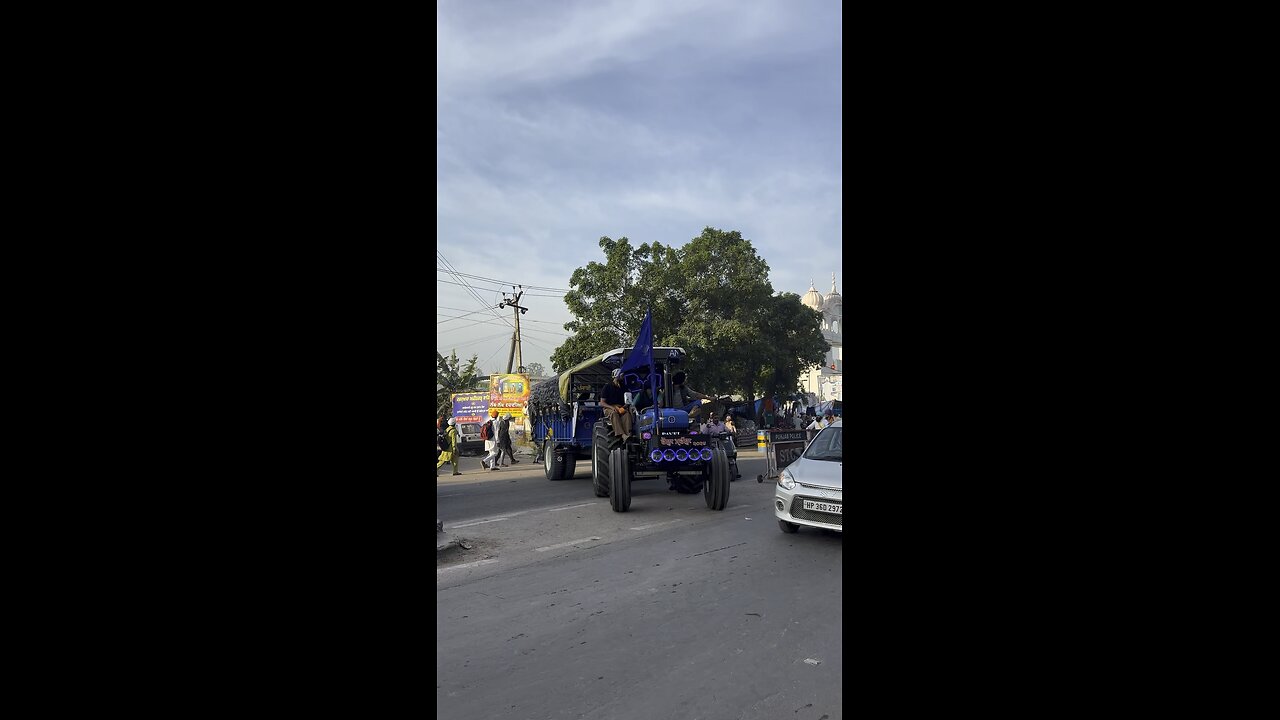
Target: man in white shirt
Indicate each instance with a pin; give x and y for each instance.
(714, 426)
(827, 418)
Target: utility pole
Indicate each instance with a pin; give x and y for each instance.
(515, 337)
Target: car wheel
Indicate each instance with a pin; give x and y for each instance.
(788, 527)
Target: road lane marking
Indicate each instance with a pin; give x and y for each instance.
(466, 565)
(570, 507)
(511, 514)
(646, 527)
(480, 522)
(738, 507)
(565, 544)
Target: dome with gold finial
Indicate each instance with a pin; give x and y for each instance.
(813, 298)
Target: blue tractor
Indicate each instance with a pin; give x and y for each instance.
(570, 425)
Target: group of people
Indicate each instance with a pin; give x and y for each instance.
(715, 425)
(498, 442)
(828, 417)
(614, 400)
(497, 433)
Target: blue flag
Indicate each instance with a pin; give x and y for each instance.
(642, 354)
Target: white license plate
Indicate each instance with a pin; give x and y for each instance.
(822, 507)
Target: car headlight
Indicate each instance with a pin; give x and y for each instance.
(786, 481)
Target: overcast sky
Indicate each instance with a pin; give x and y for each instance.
(558, 122)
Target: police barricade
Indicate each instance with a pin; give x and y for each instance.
(781, 448)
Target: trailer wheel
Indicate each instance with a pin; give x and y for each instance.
(716, 490)
(554, 462)
(602, 443)
(619, 479)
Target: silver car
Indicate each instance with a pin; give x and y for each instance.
(810, 491)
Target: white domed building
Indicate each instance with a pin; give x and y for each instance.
(826, 382)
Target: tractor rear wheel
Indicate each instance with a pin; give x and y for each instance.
(602, 443)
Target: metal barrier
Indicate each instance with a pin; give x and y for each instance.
(781, 448)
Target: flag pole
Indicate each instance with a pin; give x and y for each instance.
(653, 375)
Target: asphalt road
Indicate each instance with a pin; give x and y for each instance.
(563, 608)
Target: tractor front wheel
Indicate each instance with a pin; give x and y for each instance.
(619, 479)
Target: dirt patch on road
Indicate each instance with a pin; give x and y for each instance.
(456, 554)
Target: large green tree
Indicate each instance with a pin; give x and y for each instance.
(793, 346)
(451, 378)
(711, 296)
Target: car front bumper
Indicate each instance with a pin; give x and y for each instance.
(789, 505)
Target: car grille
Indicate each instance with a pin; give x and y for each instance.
(798, 511)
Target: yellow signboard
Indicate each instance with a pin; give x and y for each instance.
(509, 393)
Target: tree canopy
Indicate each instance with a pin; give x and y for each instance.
(453, 379)
(711, 296)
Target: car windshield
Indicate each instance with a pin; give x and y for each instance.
(828, 445)
(470, 428)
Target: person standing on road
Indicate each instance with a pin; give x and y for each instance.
(504, 439)
(489, 432)
(450, 453)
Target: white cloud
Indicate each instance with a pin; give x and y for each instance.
(561, 122)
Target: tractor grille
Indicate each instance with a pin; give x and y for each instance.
(797, 510)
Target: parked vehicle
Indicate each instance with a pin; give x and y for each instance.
(469, 442)
(810, 491)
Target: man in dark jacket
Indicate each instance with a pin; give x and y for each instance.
(504, 440)
(613, 398)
